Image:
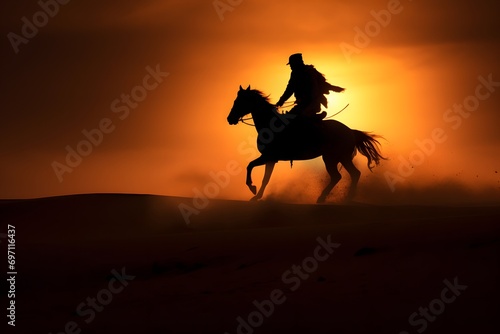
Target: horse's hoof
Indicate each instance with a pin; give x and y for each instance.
(255, 198)
(253, 189)
(321, 200)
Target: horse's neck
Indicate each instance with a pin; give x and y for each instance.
(262, 116)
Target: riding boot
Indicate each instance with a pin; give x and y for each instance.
(321, 115)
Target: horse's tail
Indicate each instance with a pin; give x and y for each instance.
(368, 145)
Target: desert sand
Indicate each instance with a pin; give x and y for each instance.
(234, 268)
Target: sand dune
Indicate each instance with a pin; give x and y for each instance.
(231, 270)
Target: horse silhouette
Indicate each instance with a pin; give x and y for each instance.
(285, 137)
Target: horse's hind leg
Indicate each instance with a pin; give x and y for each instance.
(355, 174)
(331, 165)
(265, 180)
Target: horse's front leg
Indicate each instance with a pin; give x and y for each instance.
(265, 180)
(257, 162)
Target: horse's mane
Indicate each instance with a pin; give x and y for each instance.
(261, 95)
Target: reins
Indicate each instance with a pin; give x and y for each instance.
(244, 120)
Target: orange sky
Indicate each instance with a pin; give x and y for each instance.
(425, 60)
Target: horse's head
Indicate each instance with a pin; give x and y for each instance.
(242, 106)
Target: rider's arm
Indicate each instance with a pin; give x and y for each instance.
(288, 92)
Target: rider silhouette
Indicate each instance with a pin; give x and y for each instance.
(309, 87)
